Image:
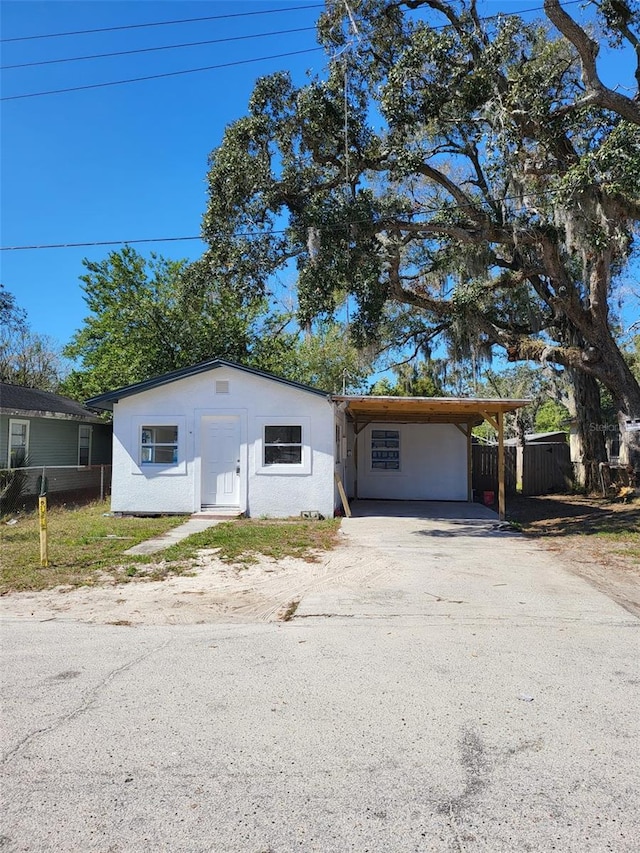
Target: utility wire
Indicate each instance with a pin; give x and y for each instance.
(40, 63)
(152, 49)
(209, 67)
(333, 227)
(98, 243)
(162, 23)
(160, 76)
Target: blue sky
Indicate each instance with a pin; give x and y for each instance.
(126, 162)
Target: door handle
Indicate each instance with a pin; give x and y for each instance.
(237, 469)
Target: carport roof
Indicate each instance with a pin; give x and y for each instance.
(438, 410)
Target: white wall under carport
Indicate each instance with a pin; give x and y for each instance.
(433, 464)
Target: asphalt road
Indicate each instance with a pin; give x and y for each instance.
(471, 696)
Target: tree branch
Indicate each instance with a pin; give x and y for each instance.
(587, 50)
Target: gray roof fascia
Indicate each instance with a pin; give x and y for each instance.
(89, 418)
(106, 401)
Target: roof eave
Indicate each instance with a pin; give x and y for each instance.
(105, 401)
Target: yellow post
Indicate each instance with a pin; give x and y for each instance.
(44, 545)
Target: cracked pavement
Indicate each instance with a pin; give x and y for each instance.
(468, 695)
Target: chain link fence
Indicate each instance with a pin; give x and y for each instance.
(20, 487)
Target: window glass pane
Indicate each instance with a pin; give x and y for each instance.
(282, 455)
(283, 435)
(18, 456)
(83, 456)
(165, 454)
(18, 435)
(166, 435)
(159, 445)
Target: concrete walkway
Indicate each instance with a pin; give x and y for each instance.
(196, 524)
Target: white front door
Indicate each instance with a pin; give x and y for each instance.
(221, 461)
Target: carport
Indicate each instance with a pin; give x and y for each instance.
(392, 413)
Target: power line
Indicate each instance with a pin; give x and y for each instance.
(160, 76)
(42, 62)
(204, 68)
(98, 243)
(152, 49)
(333, 227)
(161, 23)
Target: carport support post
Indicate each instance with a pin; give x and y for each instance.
(469, 464)
(501, 501)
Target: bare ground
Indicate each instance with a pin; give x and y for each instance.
(214, 591)
(597, 540)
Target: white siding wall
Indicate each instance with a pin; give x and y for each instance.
(255, 401)
(433, 464)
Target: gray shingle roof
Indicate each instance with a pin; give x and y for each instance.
(14, 399)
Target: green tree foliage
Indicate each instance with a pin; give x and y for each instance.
(551, 417)
(497, 194)
(326, 358)
(26, 358)
(151, 316)
(416, 379)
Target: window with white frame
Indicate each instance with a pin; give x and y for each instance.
(84, 444)
(159, 445)
(385, 450)
(282, 444)
(18, 443)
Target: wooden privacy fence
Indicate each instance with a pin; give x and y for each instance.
(546, 468)
(485, 468)
(535, 469)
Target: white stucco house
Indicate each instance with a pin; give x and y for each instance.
(223, 437)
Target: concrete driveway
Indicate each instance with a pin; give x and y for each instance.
(466, 694)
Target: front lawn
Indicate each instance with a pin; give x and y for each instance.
(87, 544)
(83, 543)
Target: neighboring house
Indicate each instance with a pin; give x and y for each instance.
(47, 430)
(614, 445)
(222, 436)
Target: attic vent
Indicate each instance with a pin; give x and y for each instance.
(222, 386)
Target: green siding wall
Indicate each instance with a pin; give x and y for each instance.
(54, 441)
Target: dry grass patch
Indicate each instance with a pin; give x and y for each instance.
(86, 546)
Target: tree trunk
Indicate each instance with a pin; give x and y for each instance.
(589, 429)
(625, 391)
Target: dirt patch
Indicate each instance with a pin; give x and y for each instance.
(213, 591)
(597, 539)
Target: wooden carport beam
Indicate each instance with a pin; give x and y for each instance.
(491, 420)
(501, 499)
(497, 423)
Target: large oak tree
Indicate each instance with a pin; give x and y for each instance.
(479, 171)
